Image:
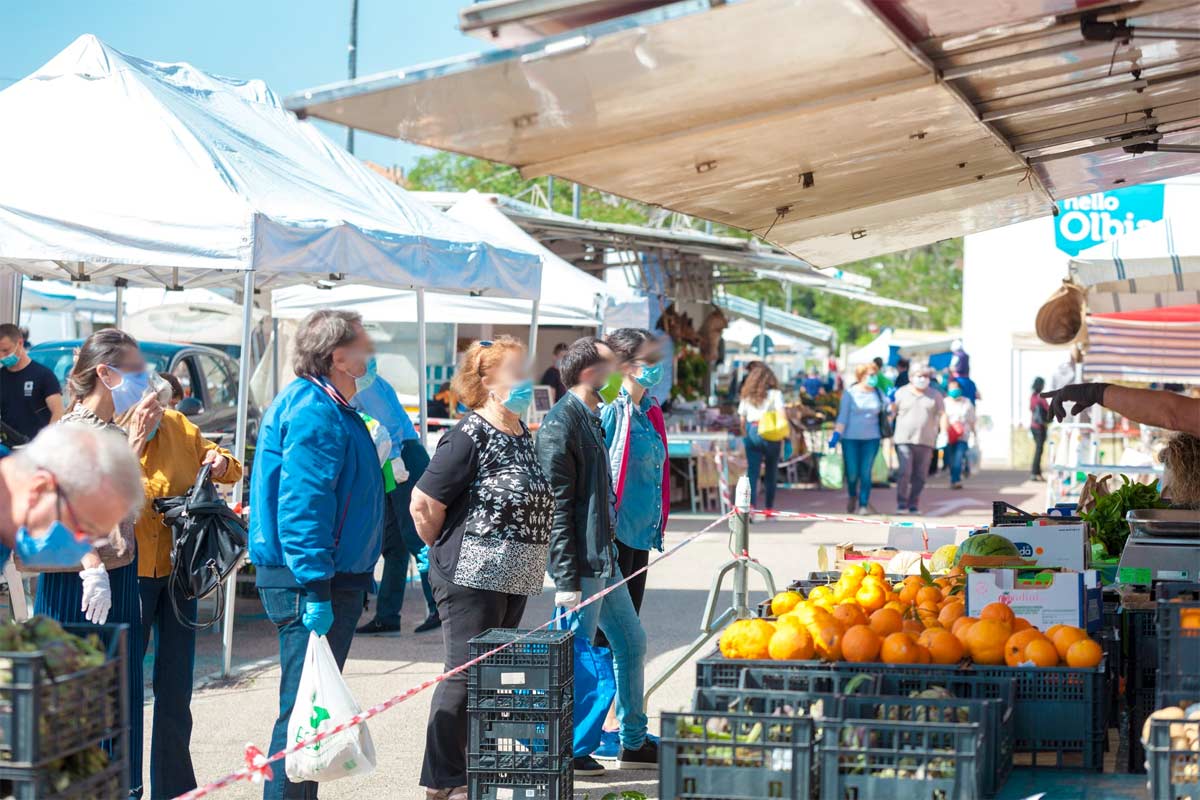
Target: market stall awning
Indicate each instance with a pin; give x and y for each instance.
(1161, 346)
(801, 327)
(837, 129)
(1156, 266)
(181, 178)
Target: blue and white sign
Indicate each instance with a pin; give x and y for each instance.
(1091, 219)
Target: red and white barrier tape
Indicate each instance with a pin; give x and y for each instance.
(258, 766)
(770, 514)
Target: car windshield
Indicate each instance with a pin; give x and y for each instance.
(60, 359)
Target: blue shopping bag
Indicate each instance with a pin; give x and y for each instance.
(595, 687)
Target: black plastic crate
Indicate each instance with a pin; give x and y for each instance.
(885, 760)
(711, 755)
(1059, 711)
(1178, 624)
(764, 702)
(811, 681)
(1110, 643)
(1140, 632)
(500, 741)
(1140, 704)
(46, 719)
(535, 674)
(999, 698)
(522, 785)
(1174, 771)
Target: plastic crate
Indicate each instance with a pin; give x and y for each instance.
(759, 758)
(1140, 632)
(1178, 624)
(999, 698)
(1057, 711)
(500, 741)
(45, 719)
(1110, 642)
(885, 760)
(522, 785)
(534, 674)
(813, 681)
(1174, 771)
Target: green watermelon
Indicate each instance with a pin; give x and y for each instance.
(986, 544)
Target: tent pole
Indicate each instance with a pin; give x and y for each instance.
(274, 356)
(422, 369)
(533, 332)
(762, 330)
(119, 309)
(239, 452)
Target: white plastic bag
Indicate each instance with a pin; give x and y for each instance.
(322, 702)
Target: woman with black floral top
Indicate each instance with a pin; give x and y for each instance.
(484, 507)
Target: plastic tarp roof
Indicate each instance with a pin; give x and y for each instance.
(569, 296)
(800, 327)
(837, 129)
(166, 175)
(187, 323)
(1156, 266)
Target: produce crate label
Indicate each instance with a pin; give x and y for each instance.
(1139, 576)
(503, 793)
(512, 679)
(1045, 599)
(1065, 546)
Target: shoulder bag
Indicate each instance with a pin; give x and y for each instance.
(886, 427)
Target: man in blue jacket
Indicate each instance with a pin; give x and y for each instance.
(316, 507)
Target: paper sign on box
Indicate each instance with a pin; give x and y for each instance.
(1059, 598)
(1051, 546)
(908, 536)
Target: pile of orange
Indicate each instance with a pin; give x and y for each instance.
(864, 618)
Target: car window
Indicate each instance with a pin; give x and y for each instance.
(218, 383)
(183, 371)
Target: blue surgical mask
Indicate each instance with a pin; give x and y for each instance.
(368, 377)
(650, 375)
(873, 380)
(955, 392)
(520, 398)
(58, 548)
(9, 360)
(129, 392)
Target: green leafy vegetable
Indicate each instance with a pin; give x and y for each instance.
(1107, 518)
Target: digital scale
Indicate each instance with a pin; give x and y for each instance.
(1163, 545)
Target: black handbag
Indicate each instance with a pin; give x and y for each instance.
(886, 427)
(209, 543)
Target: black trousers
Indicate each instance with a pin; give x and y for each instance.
(630, 560)
(465, 614)
(1039, 444)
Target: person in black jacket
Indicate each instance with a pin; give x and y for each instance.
(583, 554)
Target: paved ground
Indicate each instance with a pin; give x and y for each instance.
(227, 715)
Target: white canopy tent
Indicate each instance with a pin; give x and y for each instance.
(1156, 266)
(195, 180)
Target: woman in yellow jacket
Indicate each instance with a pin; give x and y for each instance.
(171, 459)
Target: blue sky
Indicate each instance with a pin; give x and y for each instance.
(291, 44)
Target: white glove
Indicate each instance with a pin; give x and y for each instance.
(399, 471)
(567, 599)
(97, 594)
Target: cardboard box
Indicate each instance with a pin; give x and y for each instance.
(911, 536)
(1044, 598)
(1051, 545)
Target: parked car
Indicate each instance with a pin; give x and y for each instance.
(209, 378)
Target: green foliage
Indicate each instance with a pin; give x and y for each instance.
(1107, 517)
(930, 276)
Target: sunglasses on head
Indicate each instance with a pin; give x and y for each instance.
(486, 343)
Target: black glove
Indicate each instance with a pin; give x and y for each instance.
(1084, 395)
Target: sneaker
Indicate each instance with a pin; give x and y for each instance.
(646, 757)
(901, 511)
(377, 628)
(956, 486)
(862, 511)
(610, 746)
(913, 510)
(588, 767)
(431, 623)
(851, 504)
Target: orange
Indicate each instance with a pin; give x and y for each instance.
(900, 648)
(791, 620)
(886, 620)
(928, 614)
(820, 591)
(856, 571)
(950, 612)
(944, 646)
(924, 638)
(875, 568)
(790, 644)
(1189, 619)
(923, 655)
(747, 638)
(1014, 648)
(1064, 637)
(1049, 632)
(998, 611)
(985, 641)
(1084, 653)
(929, 594)
(849, 614)
(870, 597)
(895, 605)
(1042, 653)
(860, 643)
(1022, 624)
(827, 639)
(908, 595)
(784, 602)
(914, 627)
(844, 589)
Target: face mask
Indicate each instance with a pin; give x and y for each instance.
(955, 392)
(59, 548)
(520, 398)
(649, 376)
(368, 377)
(9, 360)
(873, 380)
(128, 393)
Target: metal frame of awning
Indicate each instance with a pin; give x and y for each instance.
(792, 324)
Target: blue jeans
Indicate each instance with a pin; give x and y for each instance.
(955, 454)
(858, 456)
(171, 772)
(760, 452)
(284, 607)
(400, 542)
(616, 616)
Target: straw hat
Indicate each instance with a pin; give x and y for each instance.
(1060, 319)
